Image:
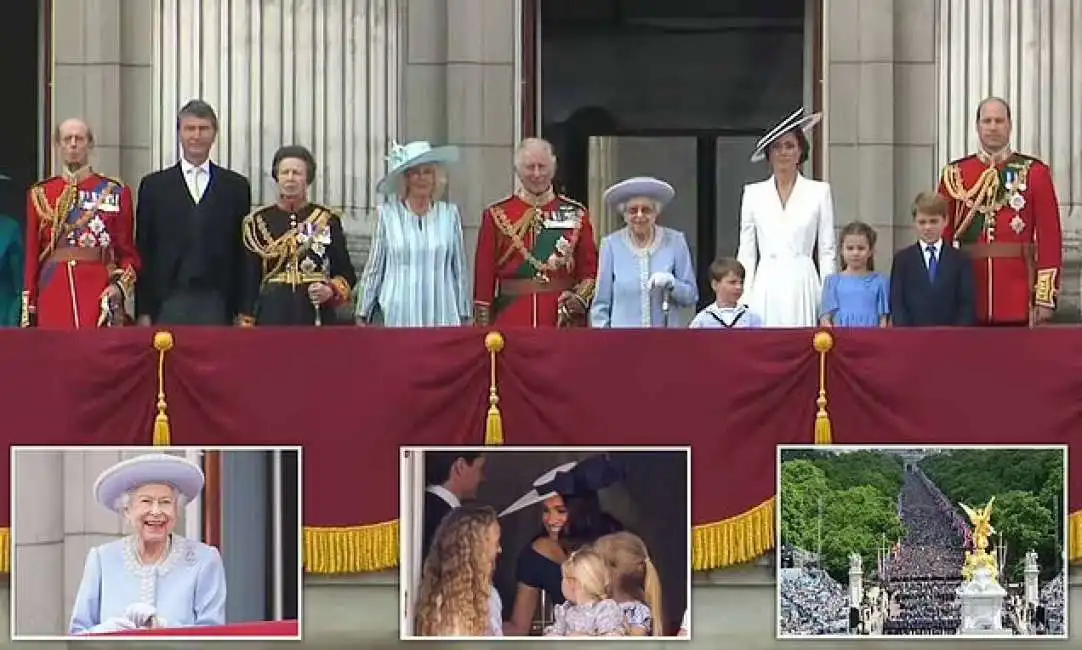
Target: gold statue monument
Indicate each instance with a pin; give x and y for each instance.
(982, 529)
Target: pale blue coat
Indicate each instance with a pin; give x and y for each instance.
(187, 588)
(417, 271)
(622, 299)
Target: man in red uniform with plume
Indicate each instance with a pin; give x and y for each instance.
(536, 263)
(1003, 212)
(81, 260)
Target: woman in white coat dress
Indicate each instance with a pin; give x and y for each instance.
(783, 220)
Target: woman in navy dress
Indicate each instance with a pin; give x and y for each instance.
(571, 518)
(858, 296)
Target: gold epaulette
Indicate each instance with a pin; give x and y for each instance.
(568, 199)
(1028, 158)
(501, 201)
(44, 182)
(329, 212)
(961, 160)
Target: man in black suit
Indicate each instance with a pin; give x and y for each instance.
(188, 220)
(450, 478)
(931, 284)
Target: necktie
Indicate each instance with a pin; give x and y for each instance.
(932, 263)
(197, 185)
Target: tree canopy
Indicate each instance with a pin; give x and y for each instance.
(1028, 511)
(859, 496)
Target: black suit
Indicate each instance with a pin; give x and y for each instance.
(191, 252)
(916, 301)
(435, 510)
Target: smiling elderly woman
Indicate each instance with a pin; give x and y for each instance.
(645, 269)
(152, 578)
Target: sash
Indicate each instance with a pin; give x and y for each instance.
(75, 219)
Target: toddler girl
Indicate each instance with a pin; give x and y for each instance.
(588, 610)
(636, 586)
(856, 296)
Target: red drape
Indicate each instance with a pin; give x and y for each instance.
(283, 629)
(352, 397)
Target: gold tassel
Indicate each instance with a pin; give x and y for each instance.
(494, 421)
(163, 343)
(822, 342)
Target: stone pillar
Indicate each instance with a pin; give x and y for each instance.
(860, 73)
(1030, 573)
(856, 585)
(37, 528)
(602, 174)
(1030, 53)
(321, 74)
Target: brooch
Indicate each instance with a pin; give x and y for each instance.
(1017, 224)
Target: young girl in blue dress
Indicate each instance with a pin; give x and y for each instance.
(856, 296)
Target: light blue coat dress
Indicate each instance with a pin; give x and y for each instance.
(623, 298)
(187, 588)
(416, 273)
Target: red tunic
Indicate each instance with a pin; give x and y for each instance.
(528, 256)
(79, 239)
(1007, 218)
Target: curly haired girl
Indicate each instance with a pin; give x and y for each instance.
(456, 595)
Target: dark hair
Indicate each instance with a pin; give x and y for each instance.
(723, 266)
(992, 100)
(860, 229)
(199, 109)
(299, 153)
(801, 142)
(586, 521)
(929, 203)
(438, 464)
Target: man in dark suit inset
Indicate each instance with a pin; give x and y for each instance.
(188, 220)
(931, 284)
(450, 478)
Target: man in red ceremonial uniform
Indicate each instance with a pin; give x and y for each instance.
(81, 260)
(1003, 212)
(536, 263)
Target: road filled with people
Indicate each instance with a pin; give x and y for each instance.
(811, 603)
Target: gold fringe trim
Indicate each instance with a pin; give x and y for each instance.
(735, 540)
(354, 549)
(822, 342)
(365, 549)
(162, 434)
(1074, 537)
(494, 419)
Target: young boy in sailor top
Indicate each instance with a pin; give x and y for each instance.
(727, 280)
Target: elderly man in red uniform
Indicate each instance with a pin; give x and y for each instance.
(81, 260)
(1003, 211)
(536, 263)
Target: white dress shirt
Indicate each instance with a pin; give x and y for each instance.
(196, 177)
(448, 497)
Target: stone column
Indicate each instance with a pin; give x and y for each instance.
(602, 174)
(856, 584)
(321, 74)
(860, 73)
(1030, 574)
(1030, 53)
(37, 529)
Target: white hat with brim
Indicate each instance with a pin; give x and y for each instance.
(543, 489)
(637, 188)
(150, 469)
(414, 154)
(798, 120)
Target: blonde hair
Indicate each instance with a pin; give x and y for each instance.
(456, 580)
(633, 573)
(587, 568)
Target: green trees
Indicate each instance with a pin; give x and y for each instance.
(859, 496)
(1028, 486)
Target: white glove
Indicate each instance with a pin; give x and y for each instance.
(141, 615)
(115, 624)
(661, 281)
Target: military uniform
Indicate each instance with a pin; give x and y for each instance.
(288, 250)
(1005, 215)
(530, 250)
(79, 241)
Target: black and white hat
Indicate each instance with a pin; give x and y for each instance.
(798, 120)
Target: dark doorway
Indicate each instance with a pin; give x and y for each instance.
(685, 87)
(22, 33)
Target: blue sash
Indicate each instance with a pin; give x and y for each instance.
(70, 219)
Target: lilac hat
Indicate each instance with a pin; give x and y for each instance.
(128, 475)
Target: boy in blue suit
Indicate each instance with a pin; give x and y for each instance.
(931, 284)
